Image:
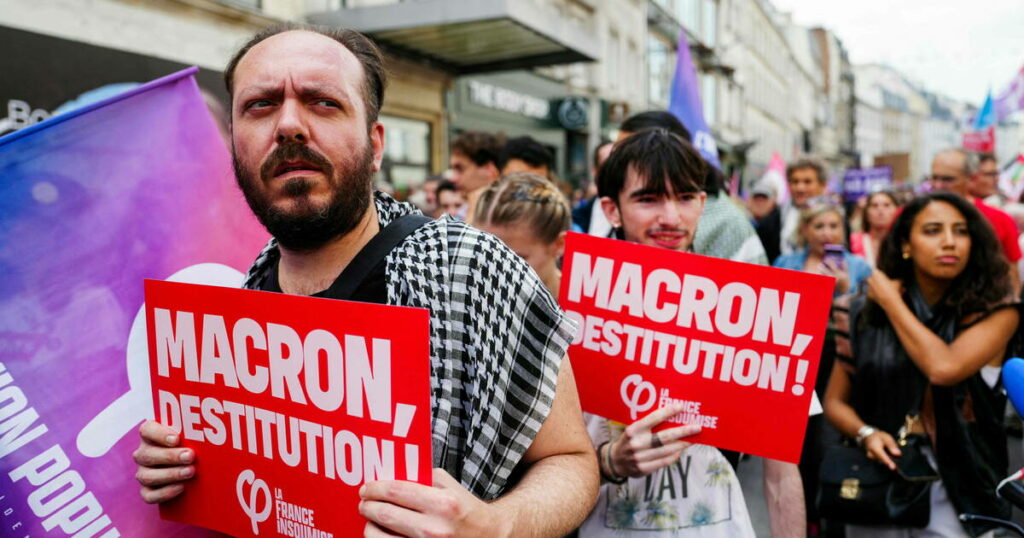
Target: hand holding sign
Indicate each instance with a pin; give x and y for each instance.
(163, 466)
(640, 451)
(444, 509)
(735, 345)
(293, 403)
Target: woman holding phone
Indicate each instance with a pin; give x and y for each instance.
(821, 233)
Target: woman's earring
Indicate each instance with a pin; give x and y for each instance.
(906, 255)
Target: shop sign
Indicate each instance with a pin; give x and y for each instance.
(507, 100)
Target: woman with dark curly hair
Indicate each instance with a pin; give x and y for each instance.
(923, 356)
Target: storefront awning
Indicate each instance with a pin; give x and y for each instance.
(471, 36)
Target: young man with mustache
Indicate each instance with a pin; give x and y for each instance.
(511, 454)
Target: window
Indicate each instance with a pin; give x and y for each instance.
(708, 98)
(255, 5)
(710, 26)
(661, 61)
(406, 151)
(688, 14)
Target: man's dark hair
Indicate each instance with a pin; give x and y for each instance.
(529, 151)
(807, 162)
(660, 158)
(983, 283)
(656, 119)
(480, 147)
(984, 157)
(374, 75)
(714, 181)
(445, 185)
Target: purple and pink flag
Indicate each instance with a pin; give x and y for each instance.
(1011, 99)
(92, 202)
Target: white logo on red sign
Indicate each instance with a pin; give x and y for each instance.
(250, 504)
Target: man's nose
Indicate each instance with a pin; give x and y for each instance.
(291, 126)
(671, 215)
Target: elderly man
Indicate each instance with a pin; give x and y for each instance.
(511, 454)
(952, 170)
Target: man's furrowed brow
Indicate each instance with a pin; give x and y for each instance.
(260, 90)
(322, 89)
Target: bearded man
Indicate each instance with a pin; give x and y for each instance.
(511, 454)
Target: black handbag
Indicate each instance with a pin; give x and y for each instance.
(858, 490)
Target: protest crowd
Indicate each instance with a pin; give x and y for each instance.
(908, 394)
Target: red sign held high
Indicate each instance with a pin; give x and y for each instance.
(737, 345)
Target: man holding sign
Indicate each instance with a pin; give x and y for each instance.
(306, 141)
(659, 484)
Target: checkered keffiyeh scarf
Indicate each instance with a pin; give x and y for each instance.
(497, 338)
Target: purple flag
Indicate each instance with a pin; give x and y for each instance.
(93, 201)
(685, 104)
(1011, 99)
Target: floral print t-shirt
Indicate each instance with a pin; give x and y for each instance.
(697, 496)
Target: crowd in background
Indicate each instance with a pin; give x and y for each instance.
(927, 282)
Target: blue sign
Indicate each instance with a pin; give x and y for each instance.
(859, 182)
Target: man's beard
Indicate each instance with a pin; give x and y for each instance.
(307, 226)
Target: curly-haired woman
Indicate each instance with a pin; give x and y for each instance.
(925, 346)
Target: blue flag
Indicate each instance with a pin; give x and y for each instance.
(685, 104)
(986, 116)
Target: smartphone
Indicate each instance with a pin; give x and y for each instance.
(834, 256)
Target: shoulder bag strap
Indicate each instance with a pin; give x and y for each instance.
(376, 250)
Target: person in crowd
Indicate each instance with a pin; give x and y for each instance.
(765, 214)
(524, 154)
(725, 231)
(821, 224)
(951, 171)
(651, 191)
(1016, 212)
(984, 182)
(530, 215)
(879, 210)
(450, 201)
(588, 216)
(806, 179)
(475, 164)
(929, 338)
(305, 167)
(430, 203)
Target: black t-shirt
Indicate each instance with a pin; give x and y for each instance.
(372, 290)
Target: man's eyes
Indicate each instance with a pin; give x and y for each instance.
(257, 103)
(264, 103)
(328, 103)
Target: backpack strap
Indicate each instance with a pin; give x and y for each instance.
(373, 253)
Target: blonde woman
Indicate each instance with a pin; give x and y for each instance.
(530, 215)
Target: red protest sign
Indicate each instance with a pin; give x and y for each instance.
(736, 344)
(291, 403)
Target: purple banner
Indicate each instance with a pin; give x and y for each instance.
(92, 202)
(684, 103)
(859, 182)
